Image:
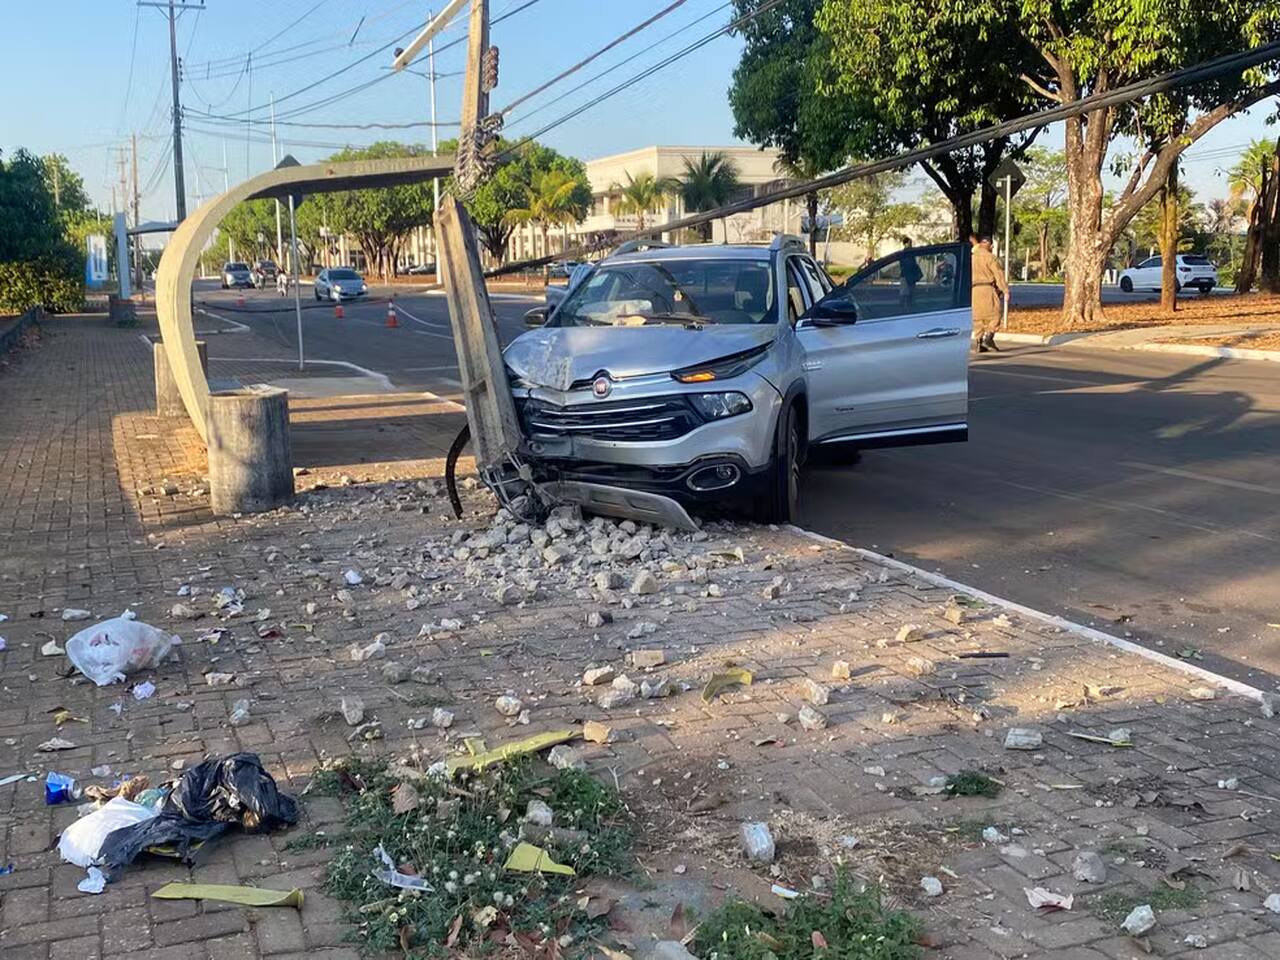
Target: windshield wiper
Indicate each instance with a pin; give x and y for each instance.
(685, 319)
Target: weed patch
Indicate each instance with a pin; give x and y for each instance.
(457, 839)
(1114, 905)
(972, 783)
(850, 923)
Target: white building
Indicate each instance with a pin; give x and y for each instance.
(757, 174)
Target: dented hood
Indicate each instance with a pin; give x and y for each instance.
(558, 357)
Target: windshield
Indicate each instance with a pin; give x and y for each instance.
(343, 275)
(237, 266)
(266, 264)
(671, 291)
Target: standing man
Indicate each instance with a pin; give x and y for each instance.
(989, 286)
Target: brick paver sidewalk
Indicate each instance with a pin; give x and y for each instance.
(1192, 804)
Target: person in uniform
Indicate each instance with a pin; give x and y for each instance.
(989, 286)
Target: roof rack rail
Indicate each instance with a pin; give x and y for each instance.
(640, 243)
(785, 241)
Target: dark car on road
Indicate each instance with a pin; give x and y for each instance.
(236, 274)
(264, 273)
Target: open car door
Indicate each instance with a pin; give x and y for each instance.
(887, 352)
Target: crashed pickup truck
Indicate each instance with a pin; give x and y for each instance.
(710, 373)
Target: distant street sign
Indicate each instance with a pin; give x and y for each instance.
(95, 265)
(288, 161)
(1007, 170)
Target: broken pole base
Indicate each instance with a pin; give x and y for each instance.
(250, 460)
(168, 397)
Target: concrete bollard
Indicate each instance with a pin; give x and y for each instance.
(250, 463)
(168, 399)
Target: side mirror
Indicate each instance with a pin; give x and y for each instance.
(537, 317)
(835, 314)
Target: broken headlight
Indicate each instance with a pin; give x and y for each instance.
(717, 406)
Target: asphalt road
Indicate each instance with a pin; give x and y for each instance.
(1050, 295)
(1136, 492)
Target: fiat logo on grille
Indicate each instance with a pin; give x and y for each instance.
(601, 387)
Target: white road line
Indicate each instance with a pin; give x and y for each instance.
(1078, 629)
(1202, 477)
(290, 361)
(240, 327)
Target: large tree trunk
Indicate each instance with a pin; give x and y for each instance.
(1252, 245)
(1044, 250)
(811, 202)
(1169, 243)
(987, 205)
(1270, 223)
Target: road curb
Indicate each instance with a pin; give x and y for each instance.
(1070, 626)
(1052, 340)
(1195, 350)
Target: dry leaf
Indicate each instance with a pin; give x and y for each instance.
(405, 798)
(598, 907)
(1240, 879)
(612, 954)
(719, 682)
(679, 924)
(454, 929)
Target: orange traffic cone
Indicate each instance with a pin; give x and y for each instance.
(337, 311)
(392, 319)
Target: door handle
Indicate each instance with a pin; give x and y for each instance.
(937, 333)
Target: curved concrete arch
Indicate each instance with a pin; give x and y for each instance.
(177, 270)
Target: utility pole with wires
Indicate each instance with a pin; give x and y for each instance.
(179, 181)
(137, 221)
(226, 188)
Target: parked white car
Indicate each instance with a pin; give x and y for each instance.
(1193, 271)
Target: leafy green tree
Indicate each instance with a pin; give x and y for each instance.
(551, 202)
(1244, 179)
(1143, 231)
(870, 212)
(250, 220)
(509, 189)
(708, 183)
(911, 84)
(641, 195)
(1040, 206)
(779, 94)
(379, 219)
(1062, 52)
(27, 211)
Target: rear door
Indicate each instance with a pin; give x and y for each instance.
(887, 353)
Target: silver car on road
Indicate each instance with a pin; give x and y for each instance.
(339, 283)
(711, 372)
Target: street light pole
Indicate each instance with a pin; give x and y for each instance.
(274, 160)
(297, 295)
(431, 74)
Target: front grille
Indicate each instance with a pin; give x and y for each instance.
(650, 418)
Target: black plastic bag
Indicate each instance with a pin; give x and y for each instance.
(203, 804)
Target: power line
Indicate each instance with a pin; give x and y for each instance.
(764, 7)
(621, 63)
(334, 98)
(133, 54)
(276, 36)
(594, 56)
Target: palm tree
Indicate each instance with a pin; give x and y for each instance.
(551, 201)
(803, 168)
(1245, 178)
(708, 183)
(642, 194)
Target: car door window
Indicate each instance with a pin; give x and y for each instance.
(912, 281)
(1154, 263)
(812, 277)
(796, 302)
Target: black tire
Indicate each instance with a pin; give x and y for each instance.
(1126, 285)
(317, 293)
(1177, 285)
(1206, 289)
(780, 502)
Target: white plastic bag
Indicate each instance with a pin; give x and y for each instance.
(81, 842)
(108, 651)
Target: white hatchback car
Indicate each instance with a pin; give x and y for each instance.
(1193, 271)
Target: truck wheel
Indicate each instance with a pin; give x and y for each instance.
(780, 503)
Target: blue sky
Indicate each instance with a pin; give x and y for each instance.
(82, 102)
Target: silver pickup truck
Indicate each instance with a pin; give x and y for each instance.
(710, 372)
